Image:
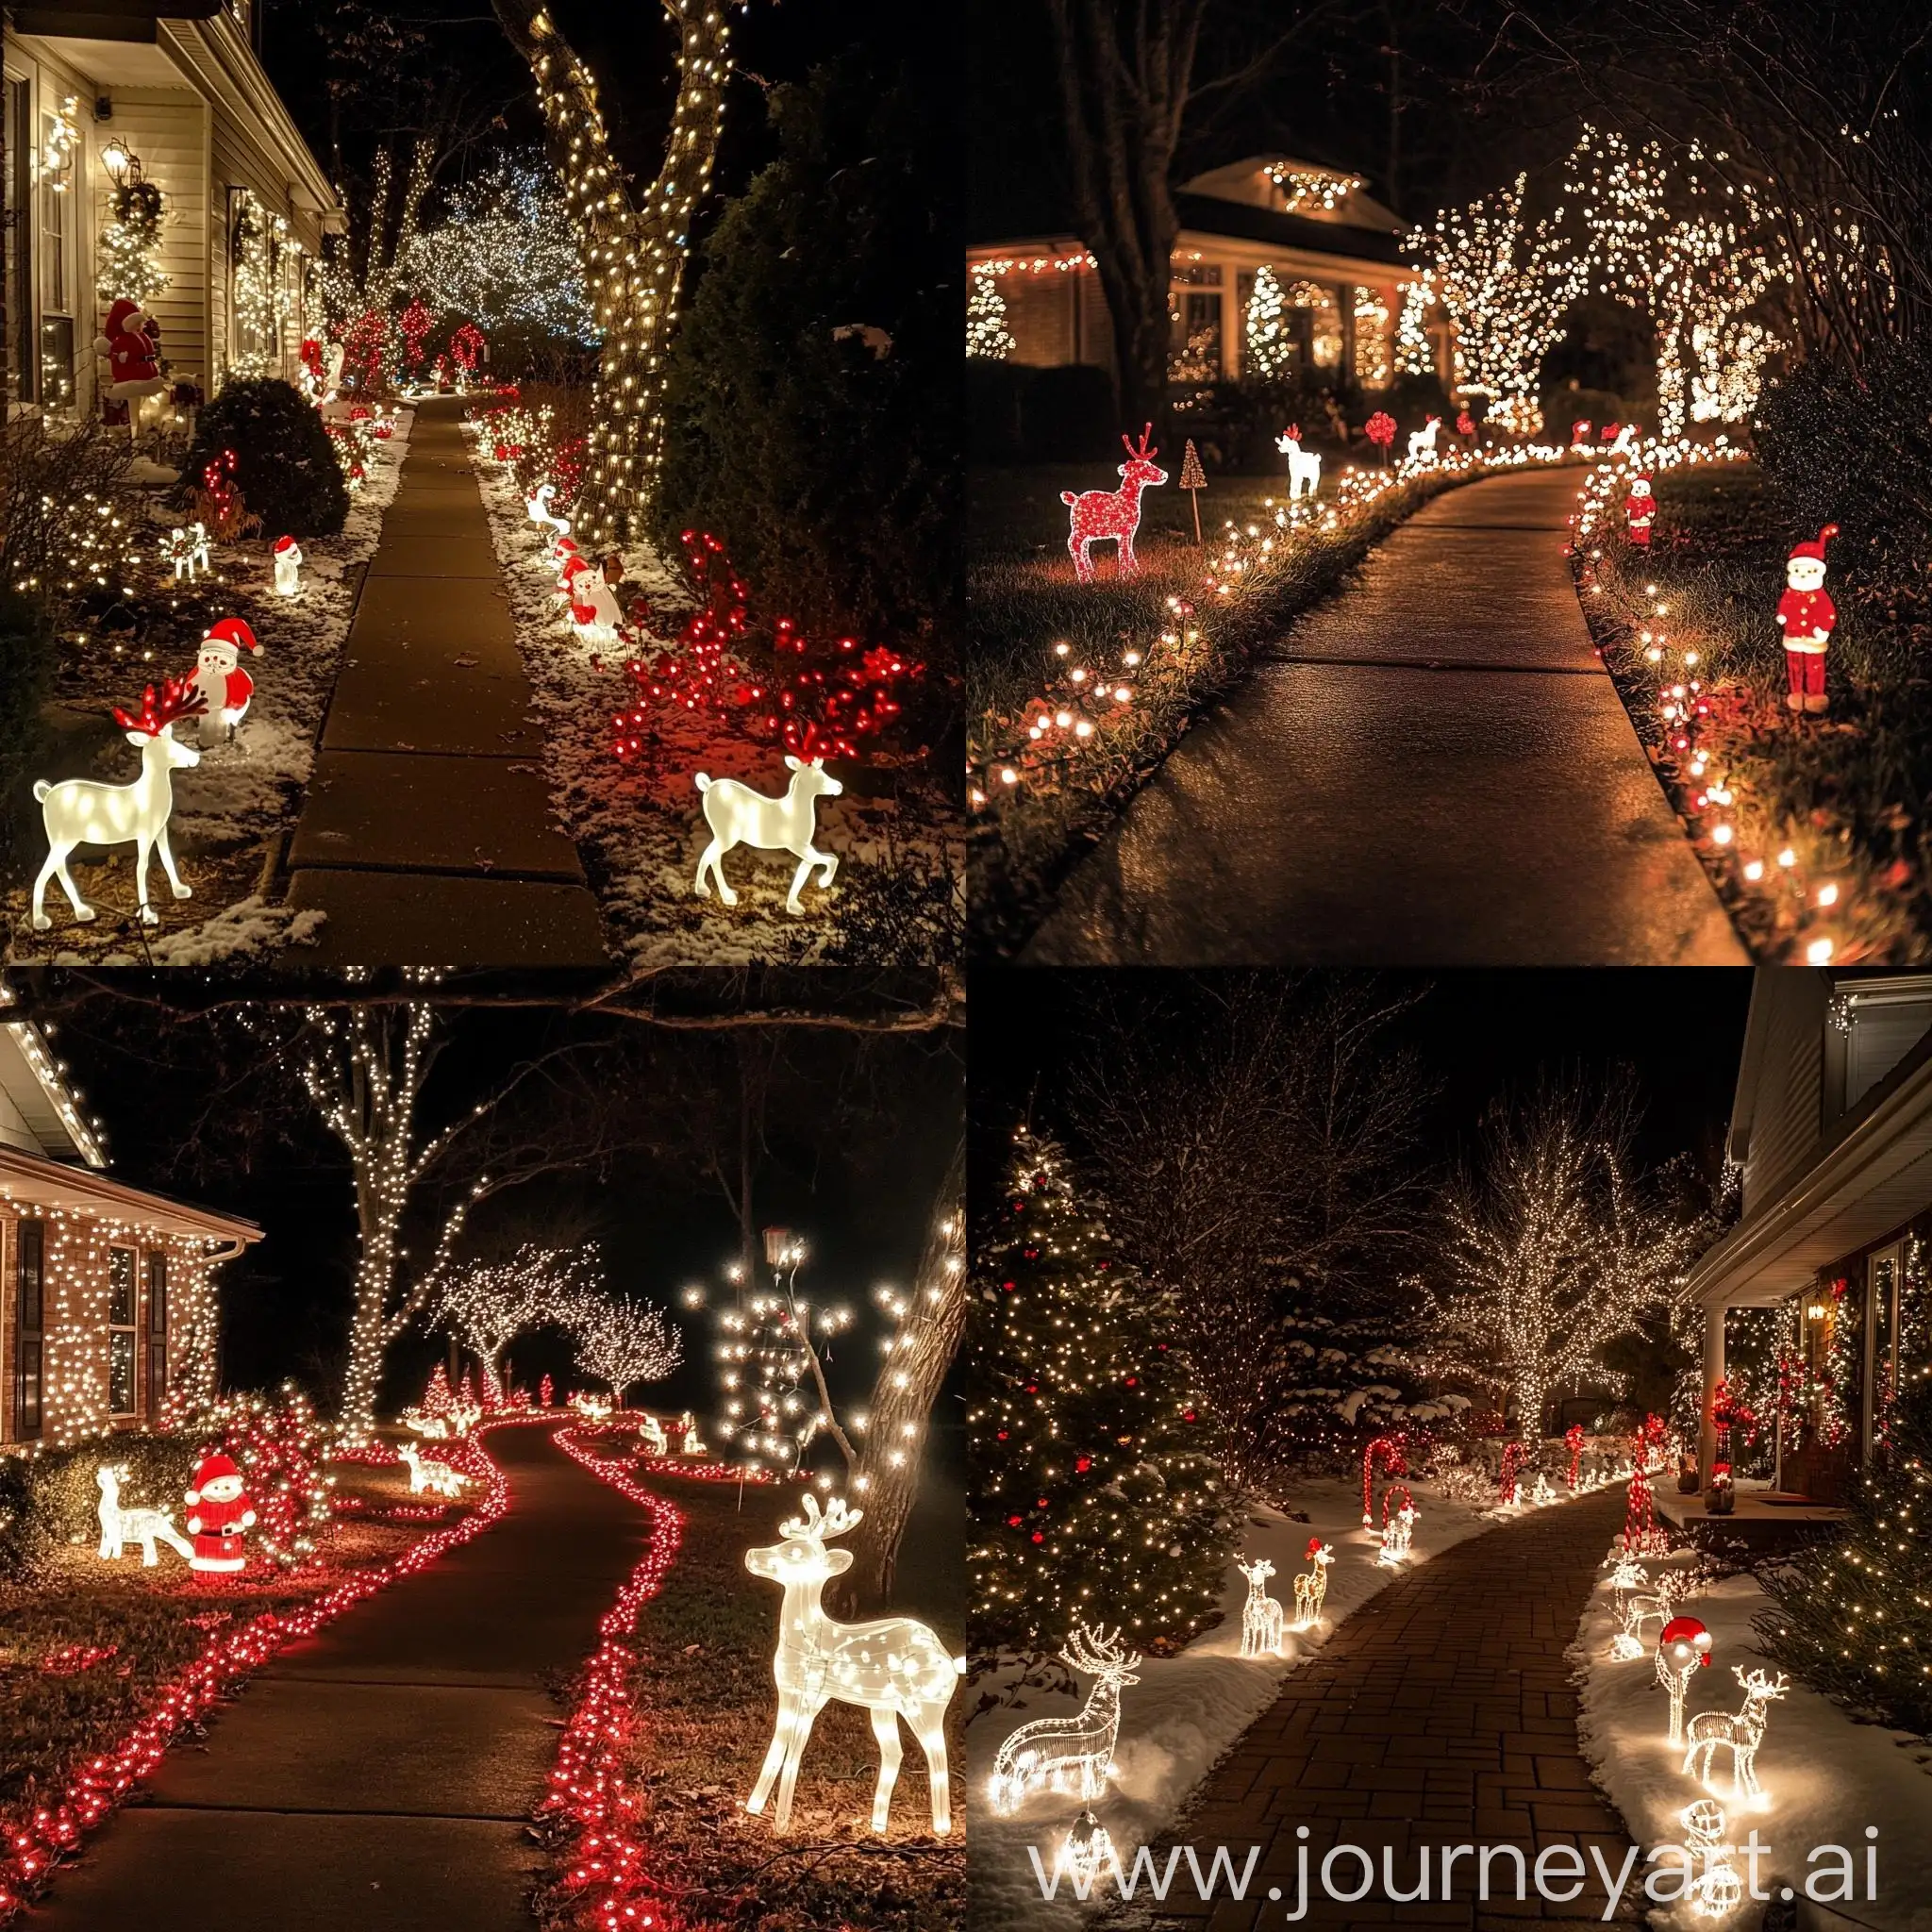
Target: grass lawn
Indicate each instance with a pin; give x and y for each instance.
(1846, 795)
(707, 1704)
(141, 1628)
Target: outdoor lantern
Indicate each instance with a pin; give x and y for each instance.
(122, 163)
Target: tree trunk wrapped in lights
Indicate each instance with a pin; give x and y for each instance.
(633, 246)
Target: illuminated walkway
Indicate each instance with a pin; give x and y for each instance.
(1440, 1713)
(1434, 770)
(427, 835)
(380, 1777)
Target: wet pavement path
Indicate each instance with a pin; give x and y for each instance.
(1434, 770)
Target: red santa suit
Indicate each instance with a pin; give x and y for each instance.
(219, 679)
(131, 340)
(1808, 617)
(219, 1516)
(1640, 507)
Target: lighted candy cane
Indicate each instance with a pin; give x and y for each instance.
(1513, 1458)
(1572, 1441)
(1387, 1451)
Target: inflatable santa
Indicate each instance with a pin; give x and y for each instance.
(1640, 508)
(131, 341)
(1808, 617)
(219, 679)
(219, 1516)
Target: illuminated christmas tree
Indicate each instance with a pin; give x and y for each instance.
(1270, 343)
(987, 334)
(1096, 1499)
(130, 244)
(1851, 1616)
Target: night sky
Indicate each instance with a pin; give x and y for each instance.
(1479, 1034)
(859, 1135)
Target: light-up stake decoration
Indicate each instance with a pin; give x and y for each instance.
(1387, 1452)
(1260, 1614)
(893, 1667)
(1311, 1586)
(79, 812)
(225, 689)
(438, 1478)
(1101, 515)
(739, 816)
(122, 1524)
(219, 1517)
(1739, 1732)
(1637, 1606)
(1054, 1752)
(1399, 1532)
(288, 556)
(1683, 1648)
(1421, 443)
(1304, 466)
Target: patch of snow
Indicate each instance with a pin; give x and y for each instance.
(249, 929)
(1824, 1777)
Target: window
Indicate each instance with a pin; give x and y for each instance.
(19, 244)
(156, 1335)
(30, 1291)
(56, 204)
(121, 1331)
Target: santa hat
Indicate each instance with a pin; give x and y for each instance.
(1815, 548)
(283, 545)
(232, 630)
(1686, 1630)
(1314, 1549)
(211, 1467)
(120, 315)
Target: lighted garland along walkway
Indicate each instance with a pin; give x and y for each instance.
(381, 1777)
(1435, 770)
(1440, 1713)
(427, 835)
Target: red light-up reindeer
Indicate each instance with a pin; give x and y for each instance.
(79, 812)
(895, 1668)
(1099, 514)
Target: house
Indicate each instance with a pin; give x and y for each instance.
(107, 1297)
(1816, 1304)
(1333, 251)
(102, 92)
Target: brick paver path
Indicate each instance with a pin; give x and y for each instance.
(1440, 1713)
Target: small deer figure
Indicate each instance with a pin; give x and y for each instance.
(1053, 1750)
(1623, 442)
(651, 1436)
(1637, 1606)
(1260, 1614)
(122, 1524)
(1311, 1586)
(537, 507)
(1740, 1733)
(739, 816)
(1304, 468)
(80, 812)
(894, 1668)
(438, 1478)
(1099, 514)
(1421, 443)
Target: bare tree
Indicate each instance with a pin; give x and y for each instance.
(1252, 1130)
(622, 1342)
(1553, 1250)
(489, 1303)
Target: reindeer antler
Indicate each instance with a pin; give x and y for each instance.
(1097, 1651)
(179, 699)
(1142, 453)
(815, 1528)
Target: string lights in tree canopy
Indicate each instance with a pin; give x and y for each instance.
(633, 244)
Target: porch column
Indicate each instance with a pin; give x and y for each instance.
(1713, 1375)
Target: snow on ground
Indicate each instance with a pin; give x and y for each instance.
(1824, 1776)
(1188, 1711)
(638, 826)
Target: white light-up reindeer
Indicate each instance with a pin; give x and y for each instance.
(1421, 443)
(1623, 442)
(185, 552)
(1304, 466)
(693, 1443)
(652, 1438)
(1637, 1606)
(1053, 1752)
(1739, 1732)
(739, 816)
(81, 811)
(1398, 1531)
(1311, 1586)
(122, 1524)
(438, 1478)
(1260, 1614)
(537, 507)
(895, 1668)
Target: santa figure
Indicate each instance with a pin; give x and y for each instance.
(1806, 616)
(217, 1516)
(219, 679)
(592, 604)
(288, 567)
(131, 341)
(1640, 507)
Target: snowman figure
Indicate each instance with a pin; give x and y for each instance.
(1640, 508)
(1808, 617)
(592, 604)
(219, 1516)
(220, 681)
(288, 567)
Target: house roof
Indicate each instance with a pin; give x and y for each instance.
(35, 1091)
(1210, 215)
(32, 1178)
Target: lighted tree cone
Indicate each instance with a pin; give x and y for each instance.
(1076, 1753)
(893, 1667)
(1260, 1614)
(122, 1523)
(1683, 1648)
(739, 816)
(1739, 1732)
(1193, 480)
(632, 243)
(1103, 515)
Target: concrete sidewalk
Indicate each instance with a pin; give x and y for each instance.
(1435, 770)
(427, 833)
(381, 1776)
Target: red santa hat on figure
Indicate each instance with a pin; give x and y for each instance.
(1682, 1639)
(219, 1515)
(219, 678)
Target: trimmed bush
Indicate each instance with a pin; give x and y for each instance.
(284, 465)
(51, 1500)
(1068, 415)
(1855, 448)
(1564, 405)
